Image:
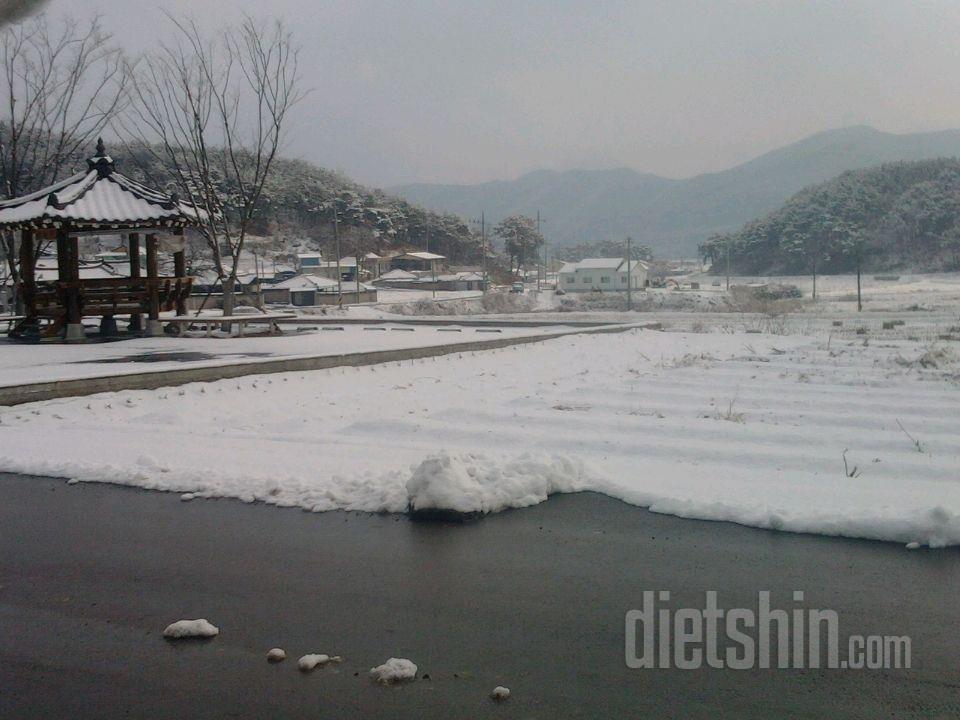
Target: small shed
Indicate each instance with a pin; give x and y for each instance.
(99, 200)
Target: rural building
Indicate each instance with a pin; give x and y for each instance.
(308, 290)
(412, 261)
(307, 261)
(602, 275)
(426, 280)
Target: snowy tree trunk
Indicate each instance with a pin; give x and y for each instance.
(229, 299)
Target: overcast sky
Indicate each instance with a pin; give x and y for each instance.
(448, 91)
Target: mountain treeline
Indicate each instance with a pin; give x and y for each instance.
(603, 249)
(902, 215)
(297, 207)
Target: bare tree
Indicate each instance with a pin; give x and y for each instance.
(213, 110)
(61, 83)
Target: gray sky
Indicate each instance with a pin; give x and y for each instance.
(449, 91)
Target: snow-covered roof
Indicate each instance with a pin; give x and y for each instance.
(100, 197)
(306, 282)
(309, 256)
(420, 255)
(602, 264)
(344, 262)
(397, 275)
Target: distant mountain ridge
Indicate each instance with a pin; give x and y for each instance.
(675, 216)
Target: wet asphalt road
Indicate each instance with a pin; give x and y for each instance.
(532, 599)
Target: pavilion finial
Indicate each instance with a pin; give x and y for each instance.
(101, 162)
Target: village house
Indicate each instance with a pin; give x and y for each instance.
(602, 275)
(309, 290)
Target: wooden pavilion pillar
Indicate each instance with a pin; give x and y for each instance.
(180, 272)
(28, 286)
(133, 250)
(153, 288)
(69, 269)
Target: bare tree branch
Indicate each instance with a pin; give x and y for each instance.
(213, 110)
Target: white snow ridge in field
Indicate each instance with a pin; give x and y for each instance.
(475, 483)
(191, 629)
(394, 670)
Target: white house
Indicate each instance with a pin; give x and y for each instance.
(602, 275)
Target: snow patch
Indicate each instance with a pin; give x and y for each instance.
(311, 661)
(394, 670)
(276, 655)
(500, 693)
(475, 483)
(191, 629)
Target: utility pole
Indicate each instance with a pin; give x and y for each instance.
(483, 249)
(356, 269)
(543, 268)
(629, 279)
(859, 298)
(336, 241)
(433, 267)
(728, 262)
(483, 244)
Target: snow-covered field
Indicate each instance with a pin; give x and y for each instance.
(752, 428)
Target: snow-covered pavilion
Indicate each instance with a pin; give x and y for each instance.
(100, 200)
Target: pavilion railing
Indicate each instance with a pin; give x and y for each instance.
(111, 296)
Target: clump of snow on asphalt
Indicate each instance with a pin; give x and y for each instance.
(475, 483)
(394, 670)
(190, 629)
(626, 414)
(310, 661)
(500, 693)
(276, 655)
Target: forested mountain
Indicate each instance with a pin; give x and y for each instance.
(903, 215)
(296, 210)
(674, 216)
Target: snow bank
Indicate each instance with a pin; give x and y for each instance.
(482, 432)
(474, 483)
(190, 629)
(394, 670)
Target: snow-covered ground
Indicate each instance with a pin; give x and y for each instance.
(20, 363)
(752, 428)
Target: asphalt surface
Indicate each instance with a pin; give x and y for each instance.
(532, 599)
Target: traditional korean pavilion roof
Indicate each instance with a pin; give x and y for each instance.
(100, 198)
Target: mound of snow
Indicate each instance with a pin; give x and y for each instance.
(394, 670)
(191, 629)
(500, 693)
(309, 662)
(276, 655)
(475, 483)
